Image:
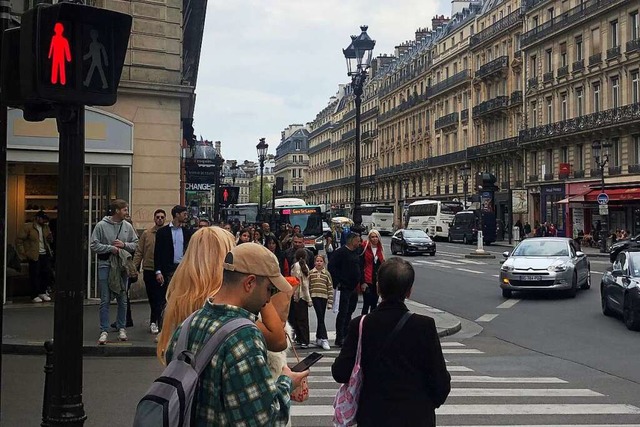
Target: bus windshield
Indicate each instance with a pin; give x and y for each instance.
(309, 218)
(450, 208)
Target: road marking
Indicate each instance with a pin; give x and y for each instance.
(324, 359)
(470, 271)
(521, 409)
(461, 351)
(495, 275)
(444, 261)
(524, 392)
(509, 303)
(486, 318)
(451, 344)
(515, 380)
(435, 264)
(470, 261)
(459, 369)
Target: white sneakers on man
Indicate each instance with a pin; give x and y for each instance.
(122, 335)
(103, 338)
(153, 328)
(45, 297)
(323, 343)
(37, 299)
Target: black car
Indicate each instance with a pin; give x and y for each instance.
(620, 289)
(412, 242)
(621, 245)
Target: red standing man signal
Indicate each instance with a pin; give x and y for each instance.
(60, 53)
(225, 195)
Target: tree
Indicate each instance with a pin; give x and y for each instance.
(254, 192)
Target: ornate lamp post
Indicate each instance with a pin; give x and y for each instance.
(358, 56)
(465, 172)
(218, 161)
(600, 152)
(262, 148)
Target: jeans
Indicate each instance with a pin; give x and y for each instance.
(320, 306)
(369, 299)
(346, 307)
(105, 299)
(157, 295)
(301, 310)
(40, 275)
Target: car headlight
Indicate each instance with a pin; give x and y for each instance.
(558, 267)
(507, 267)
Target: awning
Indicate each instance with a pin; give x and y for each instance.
(573, 199)
(615, 194)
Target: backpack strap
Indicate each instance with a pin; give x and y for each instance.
(181, 344)
(394, 332)
(211, 346)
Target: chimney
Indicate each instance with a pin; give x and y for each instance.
(421, 33)
(218, 146)
(438, 21)
(402, 49)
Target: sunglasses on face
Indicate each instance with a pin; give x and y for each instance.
(159, 217)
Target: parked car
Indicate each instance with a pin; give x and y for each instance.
(621, 245)
(545, 263)
(620, 289)
(412, 242)
(465, 225)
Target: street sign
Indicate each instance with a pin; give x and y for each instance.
(603, 199)
(603, 209)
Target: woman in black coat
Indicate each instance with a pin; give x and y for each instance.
(405, 376)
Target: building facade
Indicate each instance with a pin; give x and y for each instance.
(291, 161)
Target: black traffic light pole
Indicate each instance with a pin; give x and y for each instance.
(67, 408)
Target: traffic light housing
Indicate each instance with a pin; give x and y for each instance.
(486, 182)
(279, 186)
(71, 54)
(228, 195)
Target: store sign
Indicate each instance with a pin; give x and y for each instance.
(303, 211)
(565, 169)
(191, 186)
(603, 209)
(200, 171)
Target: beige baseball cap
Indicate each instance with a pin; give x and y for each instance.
(253, 258)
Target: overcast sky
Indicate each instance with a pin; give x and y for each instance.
(266, 64)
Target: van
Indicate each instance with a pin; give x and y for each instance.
(464, 227)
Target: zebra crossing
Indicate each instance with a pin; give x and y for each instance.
(480, 399)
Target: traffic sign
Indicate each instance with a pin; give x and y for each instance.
(603, 199)
(603, 209)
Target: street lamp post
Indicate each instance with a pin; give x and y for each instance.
(218, 161)
(262, 148)
(358, 56)
(234, 172)
(600, 151)
(465, 172)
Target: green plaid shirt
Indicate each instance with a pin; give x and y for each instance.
(237, 389)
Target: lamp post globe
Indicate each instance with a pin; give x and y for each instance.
(358, 56)
(262, 149)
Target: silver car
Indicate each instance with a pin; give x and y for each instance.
(545, 263)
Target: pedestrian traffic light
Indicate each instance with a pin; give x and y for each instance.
(72, 54)
(486, 182)
(279, 186)
(228, 195)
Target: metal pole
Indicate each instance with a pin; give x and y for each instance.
(261, 177)
(216, 199)
(48, 370)
(67, 408)
(603, 230)
(357, 83)
(273, 208)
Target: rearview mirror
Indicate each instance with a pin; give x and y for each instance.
(505, 254)
(579, 254)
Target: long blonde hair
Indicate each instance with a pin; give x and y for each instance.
(198, 277)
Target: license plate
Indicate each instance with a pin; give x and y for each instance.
(531, 278)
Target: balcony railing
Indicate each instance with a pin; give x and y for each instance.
(516, 97)
(496, 28)
(289, 163)
(448, 159)
(448, 120)
(348, 135)
(530, 4)
(412, 101)
(547, 77)
(586, 9)
(633, 45)
(613, 53)
(451, 82)
(596, 173)
(532, 83)
(615, 170)
(464, 115)
(490, 106)
(578, 174)
(533, 178)
(577, 66)
(494, 66)
(316, 148)
(563, 71)
(519, 183)
(492, 148)
(335, 164)
(613, 117)
(633, 168)
(321, 129)
(595, 59)
(368, 134)
(548, 176)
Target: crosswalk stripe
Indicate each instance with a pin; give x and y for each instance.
(461, 351)
(488, 379)
(316, 368)
(470, 261)
(470, 271)
(451, 344)
(521, 409)
(486, 318)
(523, 392)
(326, 359)
(450, 262)
(509, 303)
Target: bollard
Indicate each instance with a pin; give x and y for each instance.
(48, 371)
(480, 239)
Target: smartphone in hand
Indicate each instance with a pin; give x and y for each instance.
(307, 362)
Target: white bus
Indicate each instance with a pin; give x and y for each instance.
(283, 202)
(377, 217)
(432, 216)
(243, 212)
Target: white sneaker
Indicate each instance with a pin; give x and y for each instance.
(122, 335)
(45, 297)
(325, 345)
(37, 299)
(103, 338)
(318, 342)
(153, 328)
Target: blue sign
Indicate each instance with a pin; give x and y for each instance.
(603, 199)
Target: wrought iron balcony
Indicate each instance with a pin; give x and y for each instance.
(448, 159)
(451, 82)
(633, 45)
(615, 170)
(516, 97)
(584, 10)
(563, 71)
(350, 134)
(447, 120)
(492, 148)
(492, 67)
(547, 77)
(493, 105)
(335, 164)
(633, 168)
(321, 129)
(464, 115)
(548, 176)
(412, 101)
(578, 174)
(577, 66)
(596, 173)
(595, 59)
(613, 53)
(368, 135)
(533, 178)
(496, 28)
(316, 148)
(504, 185)
(532, 83)
(519, 183)
(530, 4)
(613, 117)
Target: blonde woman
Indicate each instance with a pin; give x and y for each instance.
(198, 278)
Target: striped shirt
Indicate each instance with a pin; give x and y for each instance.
(236, 389)
(321, 285)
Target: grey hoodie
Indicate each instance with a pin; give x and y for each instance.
(106, 231)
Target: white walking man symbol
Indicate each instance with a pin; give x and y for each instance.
(96, 53)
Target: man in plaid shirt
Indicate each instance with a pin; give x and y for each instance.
(237, 389)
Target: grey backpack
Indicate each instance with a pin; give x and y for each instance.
(169, 400)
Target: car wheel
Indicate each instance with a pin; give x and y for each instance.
(432, 253)
(604, 303)
(393, 252)
(404, 251)
(465, 240)
(630, 316)
(571, 293)
(450, 239)
(587, 282)
(506, 293)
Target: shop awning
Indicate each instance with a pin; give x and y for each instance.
(573, 199)
(615, 194)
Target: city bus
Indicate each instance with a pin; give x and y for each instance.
(433, 216)
(243, 212)
(289, 201)
(309, 218)
(377, 217)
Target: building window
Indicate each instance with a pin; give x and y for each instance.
(549, 60)
(579, 157)
(595, 41)
(534, 66)
(634, 26)
(563, 54)
(564, 106)
(534, 162)
(635, 140)
(579, 102)
(564, 154)
(293, 173)
(534, 114)
(613, 29)
(579, 48)
(297, 145)
(615, 92)
(549, 110)
(596, 97)
(635, 86)
(615, 153)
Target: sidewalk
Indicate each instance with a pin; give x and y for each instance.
(591, 252)
(27, 326)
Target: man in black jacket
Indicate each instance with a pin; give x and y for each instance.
(345, 270)
(407, 378)
(171, 243)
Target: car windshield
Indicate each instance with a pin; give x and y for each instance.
(634, 269)
(415, 234)
(542, 248)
